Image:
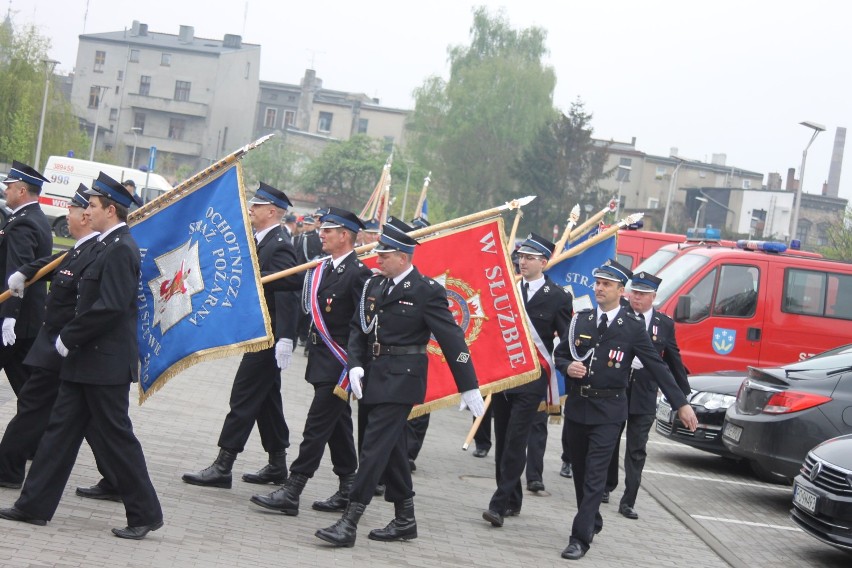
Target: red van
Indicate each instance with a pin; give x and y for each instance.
(633, 246)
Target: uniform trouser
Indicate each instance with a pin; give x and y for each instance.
(482, 438)
(416, 432)
(383, 453)
(256, 397)
(566, 447)
(12, 361)
(536, 446)
(101, 410)
(329, 422)
(612, 470)
(25, 430)
(513, 417)
(638, 428)
(591, 448)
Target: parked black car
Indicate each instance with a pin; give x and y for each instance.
(783, 412)
(822, 493)
(710, 398)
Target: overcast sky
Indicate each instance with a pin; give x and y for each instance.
(728, 76)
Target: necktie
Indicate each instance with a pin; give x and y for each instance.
(387, 287)
(525, 292)
(602, 325)
(328, 269)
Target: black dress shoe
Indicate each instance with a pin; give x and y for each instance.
(535, 486)
(14, 514)
(493, 517)
(605, 497)
(480, 453)
(567, 470)
(573, 551)
(10, 484)
(628, 511)
(136, 533)
(98, 492)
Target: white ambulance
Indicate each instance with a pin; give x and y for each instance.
(66, 174)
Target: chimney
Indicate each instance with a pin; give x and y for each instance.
(833, 188)
(633, 141)
(143, 30)
(792, 184)
(773, 181)
(186, 34)
(719, 159)
(673, 151)
(233, 41)
(825, 188)
(134, 28)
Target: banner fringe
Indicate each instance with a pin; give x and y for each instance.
(341, 392)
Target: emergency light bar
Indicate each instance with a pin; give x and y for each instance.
(704, 234)
(765, 246)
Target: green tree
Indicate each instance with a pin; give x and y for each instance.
(839, 235)
(562, 166)
(273, 162)
(472, 127)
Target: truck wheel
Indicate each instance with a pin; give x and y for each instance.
(61, 228)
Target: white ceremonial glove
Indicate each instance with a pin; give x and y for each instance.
(60, 347)
(355, 376)
(9, 331)
(472, 400)
(16, 284)
(283, 352)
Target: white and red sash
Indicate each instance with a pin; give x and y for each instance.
(322, 328)
(547, 368)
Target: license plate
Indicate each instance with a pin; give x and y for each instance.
(732, 431)
(664, 412)
(804, 499)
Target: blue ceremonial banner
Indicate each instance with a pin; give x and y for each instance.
(575, 274)
(200, 295)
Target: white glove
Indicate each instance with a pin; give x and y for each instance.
(355, 376)
(16, 284)
(283, 352)
(472, 400)
(60, 347)
(8, 331)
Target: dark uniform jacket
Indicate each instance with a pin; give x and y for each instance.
(416, 308)
(25, 238)
(624, 339)
(274, 254)
(643, 387)
(549, 311)
(308, 246)
(61, 301)
(338, 297)
(101, 338)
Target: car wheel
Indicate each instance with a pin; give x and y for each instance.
(61, 229)
(764, 474)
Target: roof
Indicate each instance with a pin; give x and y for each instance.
(170, 42)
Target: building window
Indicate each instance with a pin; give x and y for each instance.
(324, 123)
(113, 114)
(100, 59)
(622, 174)
(94, 96)
(120, 76)
(802, 230)
(144, 85)
(116, 89)
(139, 121)
(660, 173)
(362, 125)
(166, 59)
(176, 127)
(388, 144)
(134, 56)
(653, 203)
(182, 90)
(822, 234)
(270, 118)
(746, 184)
(289, 118)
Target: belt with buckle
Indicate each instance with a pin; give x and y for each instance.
(587, 391)
(315, 339)
(379, 349)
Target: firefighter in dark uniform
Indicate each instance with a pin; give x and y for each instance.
(38, 394)
(398, 311)
(642, 390)
(256, 393)
(102, 359)
(548, 309)
(25, 238)
(331, 293)
(308, 247)
(596, 359)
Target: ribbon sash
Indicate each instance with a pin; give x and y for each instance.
(338, 352)
(547, 366)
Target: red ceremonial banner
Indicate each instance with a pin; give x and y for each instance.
(473, 265)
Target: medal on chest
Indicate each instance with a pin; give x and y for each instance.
(328, 305)
(654, 332)
(615, 358)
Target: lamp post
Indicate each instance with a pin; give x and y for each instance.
(49, 66)
(623, 172)
(703, 201)
(135, 130)
(672, 183)
(97, 119)
(794, 221)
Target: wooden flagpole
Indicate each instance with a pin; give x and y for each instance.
(573, 217)
(44, 270)
(574, 251)
(581, 230)
(419, 209)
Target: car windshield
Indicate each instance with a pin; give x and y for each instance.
(835, 359)
(656, 261)
(676, 273)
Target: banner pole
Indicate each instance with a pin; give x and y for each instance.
(574, 251)
(476, 424)
(572, 222)
(44, 270)
(581, 230)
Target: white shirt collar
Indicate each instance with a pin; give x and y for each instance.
(258, 236)
(103, 235)
(648, 315)
(610, 315)
(337, 261)
(82, 240)
(402, 276)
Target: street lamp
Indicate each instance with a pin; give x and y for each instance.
(703, 201)
(672, 183)
(622, 174)
(135, 130)
(794, 221)
(49, 66)
(97, 119)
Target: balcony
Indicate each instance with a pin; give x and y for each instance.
(171, 106)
